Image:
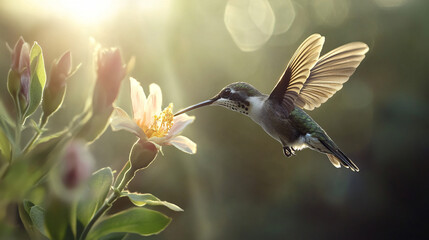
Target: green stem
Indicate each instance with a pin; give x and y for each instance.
(16, 146)
(129, 175)
(42, 124)
(106, 206)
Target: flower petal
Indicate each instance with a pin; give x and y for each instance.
(179, 123)
(184, 144)
(155, 91)
(121, 121)
(138, 99)
(160, 141)
(153, 103)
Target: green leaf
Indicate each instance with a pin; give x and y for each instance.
(135, 220)
(5, 116)
(5, 147)
(27, 205)
(54, 135)
(57, 219)
(115, 236)
(73, 217)
(98, 188)
(13, 84)
(38, 78)
(34, 166)
(141, 199)
(24, 215)
(14, 186)
(37, 215)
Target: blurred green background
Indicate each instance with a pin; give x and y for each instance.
(239, 185)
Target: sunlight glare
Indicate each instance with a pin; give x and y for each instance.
(250, 23)
(84, 11)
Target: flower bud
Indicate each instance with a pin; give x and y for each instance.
(142, 154)
(19, 75)
(60, 71)
(55, 88)
(77, 165)
(110, 72)
(24, 70)
(16, 54)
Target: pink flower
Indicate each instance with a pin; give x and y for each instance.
(151, 124)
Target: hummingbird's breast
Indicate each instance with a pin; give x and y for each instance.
(273, 121)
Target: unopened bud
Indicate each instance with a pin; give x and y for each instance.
(77, 165)
(19, 75)
(24, 70)
(60, 71)
(16, 54)
(142, 154)
(110, 72)
(55, 88)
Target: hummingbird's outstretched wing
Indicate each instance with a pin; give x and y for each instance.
(297, 72)
(330, 72)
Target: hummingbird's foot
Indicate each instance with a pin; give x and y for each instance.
(288, 151)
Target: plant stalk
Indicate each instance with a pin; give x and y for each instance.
(42, 124)
(129, 175)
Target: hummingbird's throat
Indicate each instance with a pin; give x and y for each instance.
(237, 106)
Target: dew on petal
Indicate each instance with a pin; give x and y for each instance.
(250, 23)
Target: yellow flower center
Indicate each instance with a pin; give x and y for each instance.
(162, 123)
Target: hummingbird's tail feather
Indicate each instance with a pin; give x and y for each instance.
(338, 157)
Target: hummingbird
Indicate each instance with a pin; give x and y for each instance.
(308, 81)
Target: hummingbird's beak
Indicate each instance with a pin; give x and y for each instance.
(198, 105)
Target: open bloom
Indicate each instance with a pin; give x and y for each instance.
(151, 124)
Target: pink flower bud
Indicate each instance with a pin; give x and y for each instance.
(54, 91)
(110, 72)
(24, 70)
(16, 54)
(77, 165)
(60, 71)
(19, 75)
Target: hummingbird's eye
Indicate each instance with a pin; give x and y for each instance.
(225, 93)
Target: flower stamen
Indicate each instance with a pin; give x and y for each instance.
(162, 123)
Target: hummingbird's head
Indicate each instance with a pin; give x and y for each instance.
(234, 97)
